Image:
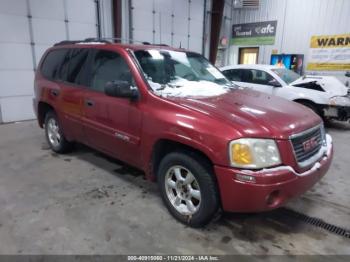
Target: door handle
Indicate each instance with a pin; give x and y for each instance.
(89, 102)
(55, 92)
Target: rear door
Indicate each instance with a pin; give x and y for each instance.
(111, 124)
(64, 96)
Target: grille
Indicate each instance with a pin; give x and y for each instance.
(300, 141)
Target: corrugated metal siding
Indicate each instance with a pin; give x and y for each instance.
(297, 20)
(176, 23)
(27, 29)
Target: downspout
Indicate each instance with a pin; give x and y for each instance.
(204, 25)
(98, 15)
(117, 19)
(216, 20)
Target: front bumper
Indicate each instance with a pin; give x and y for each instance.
(341, 113)
(272, 187)
(338, 108)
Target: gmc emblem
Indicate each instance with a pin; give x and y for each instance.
(310, 144)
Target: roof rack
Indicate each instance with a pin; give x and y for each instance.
(87, 40)
(102, 40)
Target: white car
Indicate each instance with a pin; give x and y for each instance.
(326, 95)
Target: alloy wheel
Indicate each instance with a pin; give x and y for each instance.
(182, 190)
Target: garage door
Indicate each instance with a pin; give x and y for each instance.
(169, 22)
(27, 29)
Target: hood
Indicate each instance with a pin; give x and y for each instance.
(329, 84)
(254, 114)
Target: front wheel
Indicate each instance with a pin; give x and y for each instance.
(188, 188)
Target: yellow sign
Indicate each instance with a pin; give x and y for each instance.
(330, 41)
(329, 52)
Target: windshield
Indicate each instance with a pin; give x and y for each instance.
(287, 75)
(174, 73)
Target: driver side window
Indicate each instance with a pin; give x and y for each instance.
(261, 77)
(108, 66)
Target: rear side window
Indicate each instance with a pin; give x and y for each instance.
(77, 65)
(108, 66)
(55, 64)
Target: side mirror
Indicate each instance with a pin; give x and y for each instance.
(274, 83)
(347, 74)
(118, 88)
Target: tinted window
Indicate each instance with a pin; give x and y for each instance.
(55, 64)
(108, 66)
(233, 74)
(255, 76)
(76, 67)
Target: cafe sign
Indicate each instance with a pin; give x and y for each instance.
(259, 33)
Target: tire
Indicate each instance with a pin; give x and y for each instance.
(177, 190)
(54, 136)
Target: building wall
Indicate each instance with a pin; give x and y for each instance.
(27, 29)
(297, 20)
(175, 23)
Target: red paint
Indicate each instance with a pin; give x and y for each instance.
(207, 125)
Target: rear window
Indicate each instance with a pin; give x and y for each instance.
(55, 64)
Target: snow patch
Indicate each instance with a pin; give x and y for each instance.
(181, 87)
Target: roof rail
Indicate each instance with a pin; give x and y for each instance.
(66, 42)
(87, 40)
(102, 40)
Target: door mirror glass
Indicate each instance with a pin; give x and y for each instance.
(119, 88)
(274, 83)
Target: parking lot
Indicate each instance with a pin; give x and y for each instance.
(87, 203)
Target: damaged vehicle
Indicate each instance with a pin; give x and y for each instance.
(168, 112)
(325, 95)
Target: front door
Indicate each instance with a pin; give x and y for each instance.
(258, 80)
(111, 124)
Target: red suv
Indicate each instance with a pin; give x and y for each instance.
(169, 112)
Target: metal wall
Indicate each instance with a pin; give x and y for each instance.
(297, 20)
(27, 29)
(175, 23)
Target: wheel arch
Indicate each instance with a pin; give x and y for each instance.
(304, 100)
(43, 108)
(164, 146)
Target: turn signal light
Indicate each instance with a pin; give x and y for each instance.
(241, 154)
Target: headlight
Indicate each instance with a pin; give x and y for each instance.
(339, 101)
(254, 153)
